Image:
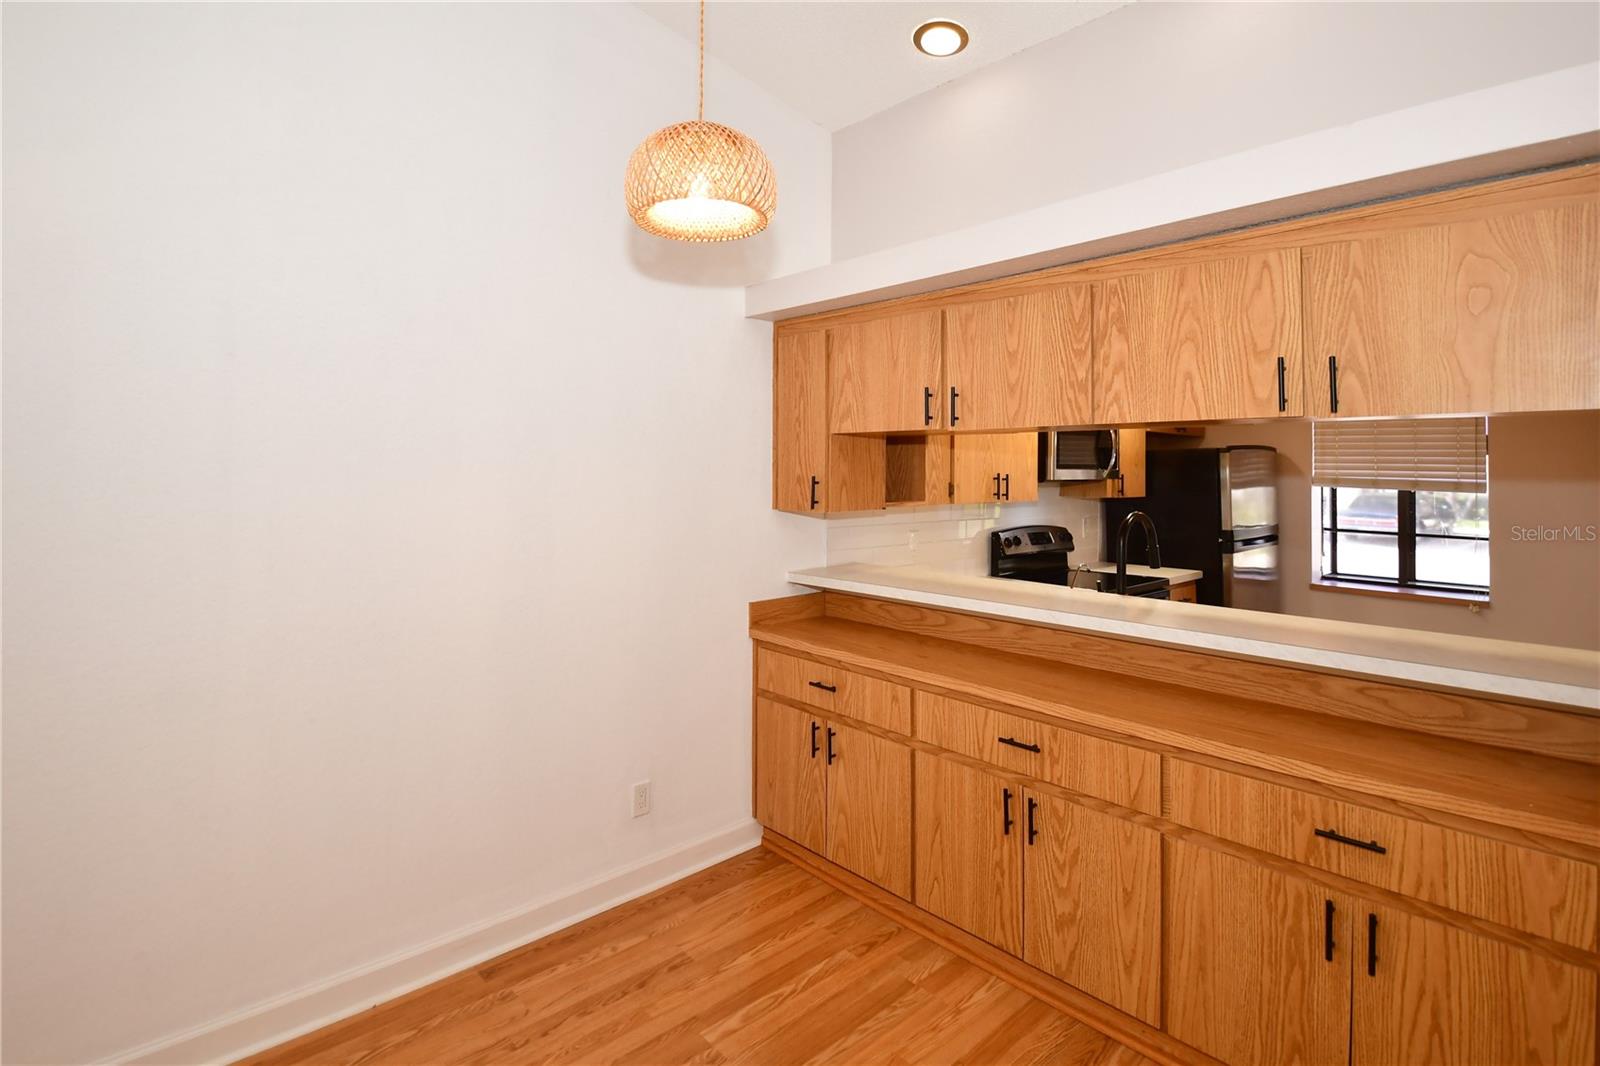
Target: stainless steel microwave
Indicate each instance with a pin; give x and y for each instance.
(1077, 455)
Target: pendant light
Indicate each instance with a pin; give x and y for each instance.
(700, 181)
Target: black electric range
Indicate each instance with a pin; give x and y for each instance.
(1040, 553)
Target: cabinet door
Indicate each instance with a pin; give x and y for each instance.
(1429, 992)
(885, 375)
(968, 849)
(1021, 362)
(800, 423)
(1500, 313)
(790, 772)
(994, 467)
(1253, 975)
(1092, 903)
(1200, 341)
(869, 807)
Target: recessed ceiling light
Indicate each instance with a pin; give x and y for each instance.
(941, 37)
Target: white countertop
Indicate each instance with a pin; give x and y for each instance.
(1566, 676)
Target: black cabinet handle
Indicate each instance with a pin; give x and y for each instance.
(1283, 395)
(954, 395)
(1372, 945)
(1007, 480)
(1327, 929)
(1333, 384)
(997, 486)
(835, 688)
(814, 748)
(1005, 810)
(814, 492)
(1015, 743)
(831, 753)
(1033, 832)
(927, 406)
(1340, 838)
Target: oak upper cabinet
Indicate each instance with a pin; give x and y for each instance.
(1430, 992)
(1213, 339)
(814, 473)
(968, 849)
(800, 422)
(790, 768)
(1021, 361)
(869, 806)
(1092, 903)
(1257, 961)
(994, 467)
(1498, 313)
(885, 374)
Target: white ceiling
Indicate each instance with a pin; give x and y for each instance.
(838, 62)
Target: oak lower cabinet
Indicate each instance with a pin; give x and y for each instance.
(969, 849)
(1070, 890)
(1430, 992)
(1091, 892)
(791, 781)
(840, 791)
(1493, 314)
(1264, 967)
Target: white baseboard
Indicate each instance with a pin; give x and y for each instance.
(269, 1023)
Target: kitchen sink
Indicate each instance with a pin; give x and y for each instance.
(1151, 587)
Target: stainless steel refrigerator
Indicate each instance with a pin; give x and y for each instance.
(1216, 511)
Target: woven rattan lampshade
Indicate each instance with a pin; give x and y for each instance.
(700, 181)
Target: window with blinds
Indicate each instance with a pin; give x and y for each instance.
(1437, 454)
(1403, 503)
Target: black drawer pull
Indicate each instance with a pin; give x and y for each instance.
(1007, 490)
(1283, 394)
(1327, 929)
(1005, 810)
(954, 396)
(997, 486)
(1033, 832)
(814, 484)
(1015, 743)
(831, 753)
(835, 688)
(814, 748)
(927, 407)
(1372, 945)
(1333, 384)
(1340, 838)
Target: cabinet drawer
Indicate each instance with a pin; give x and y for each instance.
(1548, 895)
(867, 699)
(1107, 769)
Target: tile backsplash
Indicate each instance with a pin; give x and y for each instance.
(956, 538)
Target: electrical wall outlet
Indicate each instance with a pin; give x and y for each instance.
(641, 799)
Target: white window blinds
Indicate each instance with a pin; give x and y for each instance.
(1440, 454)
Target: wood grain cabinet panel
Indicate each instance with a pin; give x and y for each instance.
(885, 375)
(1200, 341)
(1437, 994)
(969, 849)
(1498, 313)
(1536, 891)
(1107, 769)
(1021, 362)
(790, 785)
(1092, 903)
(869, 807)
(800, 422)
(1250, 976)
(796, 678)
(956, 725)
(870, 699)
(994, 467)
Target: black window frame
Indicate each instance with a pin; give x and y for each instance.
(1406, 537)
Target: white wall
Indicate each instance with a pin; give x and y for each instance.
(379, 504)
(1153, 87)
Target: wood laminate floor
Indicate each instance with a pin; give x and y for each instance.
(751, 961)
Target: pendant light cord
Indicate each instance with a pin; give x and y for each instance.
(702, 60)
